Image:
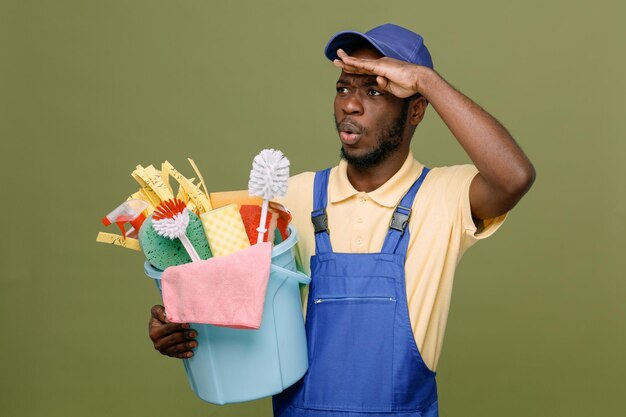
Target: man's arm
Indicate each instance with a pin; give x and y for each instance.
(505, 173)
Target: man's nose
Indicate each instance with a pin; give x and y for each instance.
(352, 105)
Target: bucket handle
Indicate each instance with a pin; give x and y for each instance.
(298, 276)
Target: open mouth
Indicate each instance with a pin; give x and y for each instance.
(349, 133)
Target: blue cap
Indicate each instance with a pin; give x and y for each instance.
(390, 40)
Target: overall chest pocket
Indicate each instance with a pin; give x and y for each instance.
(352, 353)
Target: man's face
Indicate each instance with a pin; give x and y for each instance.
(370, 122)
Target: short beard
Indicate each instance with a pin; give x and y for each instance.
(385, 148)
(389, 140)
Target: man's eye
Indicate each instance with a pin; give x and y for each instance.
(341, 90)
(373, 92)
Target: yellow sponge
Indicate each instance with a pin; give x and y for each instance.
(225, 230)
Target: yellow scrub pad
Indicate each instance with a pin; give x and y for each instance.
(225, 230)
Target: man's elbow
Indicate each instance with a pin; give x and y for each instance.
(521, 180)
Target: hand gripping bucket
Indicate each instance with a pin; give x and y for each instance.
(234, 365)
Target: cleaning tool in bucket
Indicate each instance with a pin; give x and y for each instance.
(225, 230)
(130, 211)
(268, 179)
(251, 217)
(155, 187)
(163, 252)
(235, 365)
(171, 219)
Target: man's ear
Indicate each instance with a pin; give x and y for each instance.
(417, 107)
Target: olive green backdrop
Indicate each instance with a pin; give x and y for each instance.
(89, 89)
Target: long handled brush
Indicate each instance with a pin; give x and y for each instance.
(268, 179)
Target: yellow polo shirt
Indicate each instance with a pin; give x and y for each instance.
(441, 229)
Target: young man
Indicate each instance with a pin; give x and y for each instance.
(385, 233)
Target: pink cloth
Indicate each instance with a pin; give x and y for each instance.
(225, 291)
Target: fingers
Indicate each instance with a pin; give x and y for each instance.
(353, 65)
(158, 312)
(383, 83)
(158, 330)
(159, 326)
(178, 344)
(344, 56)
(342, 65)
(171, 339)
(350, 69)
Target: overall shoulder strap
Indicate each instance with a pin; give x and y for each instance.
(397, 239)
(318, 215)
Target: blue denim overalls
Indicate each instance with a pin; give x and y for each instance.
(363, 359)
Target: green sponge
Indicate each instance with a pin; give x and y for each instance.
(163, 252)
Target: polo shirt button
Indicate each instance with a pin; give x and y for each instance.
(359, 220)
(361, 200)
(359, 241)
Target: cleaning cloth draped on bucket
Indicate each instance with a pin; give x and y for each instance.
(225, 291)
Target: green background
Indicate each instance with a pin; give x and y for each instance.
(89, 89)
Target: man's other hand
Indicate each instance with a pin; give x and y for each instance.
(171, 339)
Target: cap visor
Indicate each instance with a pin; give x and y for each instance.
(349, 41)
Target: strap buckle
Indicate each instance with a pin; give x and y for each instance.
(400, 218)
(320, 221)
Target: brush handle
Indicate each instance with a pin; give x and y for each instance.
(261, 229)
(189, 248)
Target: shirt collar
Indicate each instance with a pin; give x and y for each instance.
(388, 194)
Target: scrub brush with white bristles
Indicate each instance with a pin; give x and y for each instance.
(268, 179)
(170, 219)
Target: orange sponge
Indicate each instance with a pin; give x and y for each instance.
(223, 198)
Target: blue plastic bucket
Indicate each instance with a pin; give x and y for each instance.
(235, 365)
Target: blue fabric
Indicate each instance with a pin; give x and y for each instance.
(363, 360)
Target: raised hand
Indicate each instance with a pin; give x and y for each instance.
(399, 78)
(505, 173)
